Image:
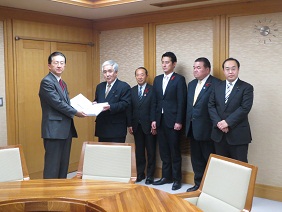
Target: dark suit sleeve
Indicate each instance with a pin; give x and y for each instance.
(242, 112)
(181, 100)
(124, 101)
(212, 108)
(129, 114)
(49, 94)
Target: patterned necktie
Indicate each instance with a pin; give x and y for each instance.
(140, 93)
(107, 91)
(197, 91)
(228, 91)
(62, 84)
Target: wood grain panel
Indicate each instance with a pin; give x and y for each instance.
(111, 196)
(31, 68)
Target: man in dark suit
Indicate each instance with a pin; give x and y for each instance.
(139, 124)
(169, 104)
(111, 122)
(229, 106)
(57, 127)
(198, 122)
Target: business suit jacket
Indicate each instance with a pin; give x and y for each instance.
(198, 115)
(139, 110)
(57, 114)
(112, 123)
(234, 112)
(173, 101)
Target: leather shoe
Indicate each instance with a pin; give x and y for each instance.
(176, 185)
(149, 180)
(194, 188)
(162, 181)
(140, 178)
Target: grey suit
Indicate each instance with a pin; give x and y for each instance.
(57, 127)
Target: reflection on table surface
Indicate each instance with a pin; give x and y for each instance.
(111, 196)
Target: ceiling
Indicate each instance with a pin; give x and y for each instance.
(101, 9)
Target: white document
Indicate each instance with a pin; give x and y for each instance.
(81, 103)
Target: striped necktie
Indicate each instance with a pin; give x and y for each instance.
(228, 91)
(140, 93)
(62, 84)
(108, 89)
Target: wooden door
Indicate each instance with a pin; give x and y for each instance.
(31, 67)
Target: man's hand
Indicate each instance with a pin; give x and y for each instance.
(153, 131)
(130, 130)
(222, 124)
(154, 125)
(177, 126)
(80, 114)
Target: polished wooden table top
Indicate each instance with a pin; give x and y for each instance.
(111, 196)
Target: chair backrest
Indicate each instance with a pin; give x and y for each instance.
(12, 164)
(107, 161)
(227, 185)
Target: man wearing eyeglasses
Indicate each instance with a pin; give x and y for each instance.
(229, 106)
(111, 122)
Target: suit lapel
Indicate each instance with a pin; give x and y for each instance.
(58, 87)
(233, 93)
(205, 88)
(112, 91)
(169, 83)
(144, 96)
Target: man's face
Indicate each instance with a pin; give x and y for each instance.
(57, 65)
(109, 74)
(200, 72)
(167, 65)
(231, 70)
(141, 76)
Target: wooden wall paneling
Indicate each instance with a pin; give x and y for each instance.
(150, 51)
(220, 44)
(10, 83)
(26, 15)
(78, 76)
(31, 58)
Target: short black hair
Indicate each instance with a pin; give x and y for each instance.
(206, 62)
(54, 54)
(230, 59)
(146, 72)
(171, 55)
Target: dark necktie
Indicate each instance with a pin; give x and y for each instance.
(62, 84)
(140, 93)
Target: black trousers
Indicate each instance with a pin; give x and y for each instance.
(145, 143)
(237, 152)
(200, 152)
(115, 140)
(57, 155)
(169, 147)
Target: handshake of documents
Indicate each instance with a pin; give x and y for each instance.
(81, 103)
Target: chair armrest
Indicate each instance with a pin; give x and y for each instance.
(78, 175)
(189, 194)
(132, 180)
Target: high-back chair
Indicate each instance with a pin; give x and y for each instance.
(227, 185)
(107, 161)
(12, 164)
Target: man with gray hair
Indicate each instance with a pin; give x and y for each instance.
(111, 122)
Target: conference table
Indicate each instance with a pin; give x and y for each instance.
(103, 195)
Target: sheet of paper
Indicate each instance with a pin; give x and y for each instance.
(81, 103)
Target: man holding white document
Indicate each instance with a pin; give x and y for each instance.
(111, 122)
